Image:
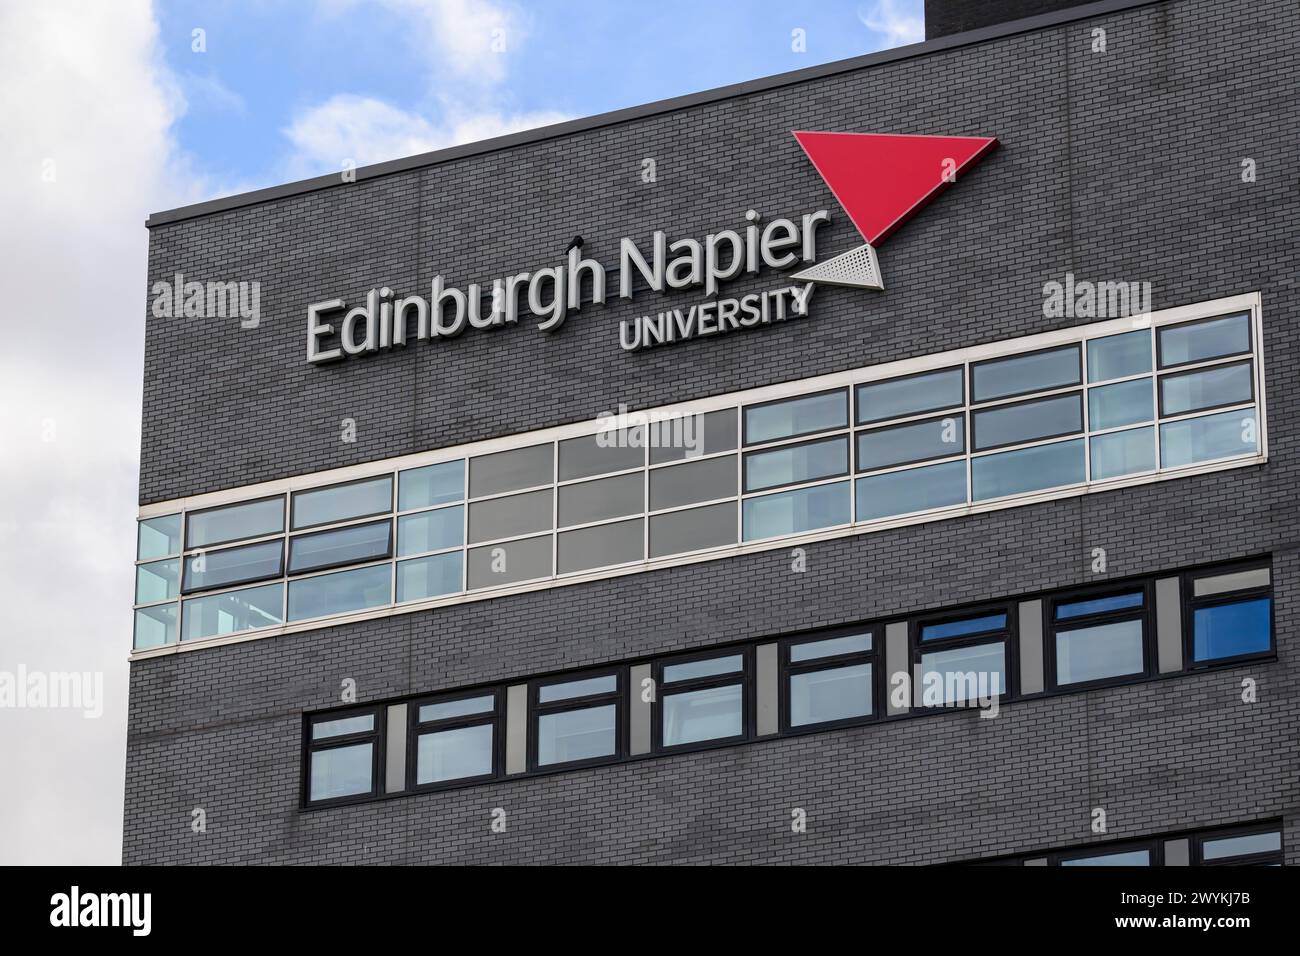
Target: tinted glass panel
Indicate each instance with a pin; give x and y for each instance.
(570, 690)
(1013, 424)
(1094, 653)
(1198, 341)
(900, 444)
(324, 729)
(1231, 629)
(160, 581)
(457, 708)
(431, 485)
(852, 644)
(507, 517)
(233, 611)
(693, 481)
(694, 529)
(342, 502)
(791, 512)
(710, 714)
(691, 435)
(1119, 356)
(498, 564)
(837, 694)
(310, 552)
(916, 489)
(1129, 858)
(155, 626)
(158, 537)
(576, 735)
(603, 498)
(251, 520)
(969, 625)
(214, 569)
(1123, 453)
(1232, 581)
(430, 530)
(511, 470)
(601, 453)
(341, 771)
(1208, 388)
(1124, 403)
(796, 463)
(453, 754)
(914, 395)
(1224, 435)
(601, 546)
(1018, 374)
(1101, 605)
(796, 416)
(1241, 845)
(706, 668)
(428, 577)
(965, 673)
(1027, 469)
(340, 592)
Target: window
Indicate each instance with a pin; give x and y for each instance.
(342, 757)
(680, 437)
(829, 680)
(510, 517)
(431, 485)
(1138, 856)
(253, 519)
(1027, 469)
(911, 443)
(1253, 845)
(511, 470)
(232, 612)
(356, 499)
(1022, 374)
(907, 492)
(1213, 387)
(251, 562)
(1231, 613)
(429, 577)
(962, 658)
(158, 537)
(455, 739)
(1242, 846)
(793, 512)
(702, 699)
(1098, 636)
(909, 395)
(794, 464)
(576, 721)
(601, 453)
(339, 592)
(1204, 339)
(1119, 356)
(331, 549)
(792, 417)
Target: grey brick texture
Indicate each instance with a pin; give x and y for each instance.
(1122, 165)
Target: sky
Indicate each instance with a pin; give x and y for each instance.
(113, 110)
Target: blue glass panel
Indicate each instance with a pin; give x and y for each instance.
(232, 611)
(1207, 388)
(833, 647)
(1094, 653)
(710, 714)
(706, 668)
(970, 625)
(429, 577)
(963, 674)
(900, 444)
(251, 519)
(796, 416)
(1019, 374)
(1114, 602)
(458, 708)
(364, 542)
(1228, 630)
(916, 489)
(1198, 341)
(1224, 435)
(840, 693)
(1123, 453)
(431, 485)
(1119, 356)
(576, 735)
(1244, 845)
(792, 512)
(340, 592)
(900, 397)
(453, 754)
(1027, 469)
(1124, 403)
(578, 688)
(341, 727)
(356, 499)
(341, 771)
(158, 537)
(796, 463)
(430, 531)
(155, 626)
(1028, 421)
(1126, 858)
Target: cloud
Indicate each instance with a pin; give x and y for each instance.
(899, 22)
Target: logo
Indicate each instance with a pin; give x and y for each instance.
(882, 180)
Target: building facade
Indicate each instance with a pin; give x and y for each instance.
(595, 495)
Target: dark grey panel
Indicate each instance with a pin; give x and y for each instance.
(510, 516)
(693, 529)
(602, 498)
(496, 564)
(511, 470)
(693, 481)
(585, 456)
(602, 545)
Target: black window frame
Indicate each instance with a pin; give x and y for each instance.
(206, 553)
(1160, 366)
(1009, 635)
(975, 447)
(538, 709)
(772, 449)
(1043, 389)
(376, 736)
(1191, 604)
(415, 729)
(287, 559)
(744, 417)
(788, 669)
(1226, 362)
(960, 416)
(1051, 626)
(744, 677)
(186, 547)
(858, 388)
(293, 502)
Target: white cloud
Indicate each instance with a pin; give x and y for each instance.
(898, 24)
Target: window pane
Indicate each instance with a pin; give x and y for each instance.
(1027, 469)
(901, 444)
(693, 481)
(428, 577)
(1124, 403)
(214, 569)
(913, 395)
(963, 674)
(1241, 845)
(155, 626)
(340, 592)
(233, 611)
(576, 735)
(431, 485)
(852, 644)
(1119, 356)
(694, 529)
(705, 668)
(710, 714)
(1198, 341)
(158, 537)
(1123, 453)
(324, 729)
(342, 502)
(796, 416)
(458, 708)
(1224, 435)
(512, 561)
(1228, 630)
(311, 552)
(601, 499)
(601, 546)
(341, 771)
(1019, 374)
(508, 517)
(549, 693)
(837, 694)
(1013, 424)
(1128, 858)
(969, 625)
(1221, 385)
(1102, 605)
(230, 523)
(453, 754)
(791, 512)
(511, 470)
(1232, 581)
(599, 454)
(1093, 653)
(791, 464)
(430, 530)
(916, 489)
(689, 436)
(160, 581)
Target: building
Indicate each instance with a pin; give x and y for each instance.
(668, 577)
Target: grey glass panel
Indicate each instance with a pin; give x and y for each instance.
(232, 522)
(453, 754)
(497, 564)
(1208, 388)
(365, 542)
(710, 714)
(965, 673)
(900, 444)
(1123, 453)
(1094, 653)
(159, 581)
(431, 485)
(793, 512)
(341, 771)
(1198, 341)
(508, 517)
(214, 569)
(233, 611)
(342, 502)
(1233, 581)
(693, 481)
(1119, 356)
(1127, 858)
(587, 456)
(158, 537)
(1030, 421)
(155, 626)
(325, 729)
(1224, 435)
(428, 577)
(980, 624)
(794, 463)
(913, 395)
(569, 690)
(708, 667)
(576, 735)
(1241, 845)
(1018, 374)
(840, 693)
(693, 530)
(850, 644)
(796, 416)
(1124, 403)
(430, 530)
(915, 489)
(692, 435)
(1027, 469)
(458, 708)
(511, 470)
(602, 545)
(603, 498)
(340, 592)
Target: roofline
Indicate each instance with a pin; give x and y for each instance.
(627, 114)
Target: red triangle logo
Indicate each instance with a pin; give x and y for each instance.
(882, 179)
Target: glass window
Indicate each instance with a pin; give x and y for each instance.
(830, 680)
(1095, 653)
(329, 549)
(1119, 356)
(1123, 453)
(1021, 374)
(233, 611)
(796, 416)
(601, 546)
(569, 690)
(159, 581)
(693, 481)
(324, 729)
(455, 740)
(1245, 845)
(708, 667)
(1029, 421)
(340, 592)
(964, 627)
(430, 531)
(793, 512)
(1027, 469)
(1206, 388)
(1204, 339)
(602, 498)
(1192, 440)
(577, 720)
(428, 577)
(792, 464)
(694, 529)
(1123, 858)
(963, 674)
(1233, 629)
(341, 757)
(509, 517)
(601, 453)
(356, 499)
(689, 436)
(916, 489)
(1208, 585)
(431, 485)
(495, 565)
(252, 562)
(155, 626)
(1101, 605)
(833, 647)
(904, 444)
(1124, 403)
(702, 699)
(910, 395)
(252, 519)
(511, 470)
(158, 537)
(465, 707)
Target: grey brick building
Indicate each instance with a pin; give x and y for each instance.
(1137, 143)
